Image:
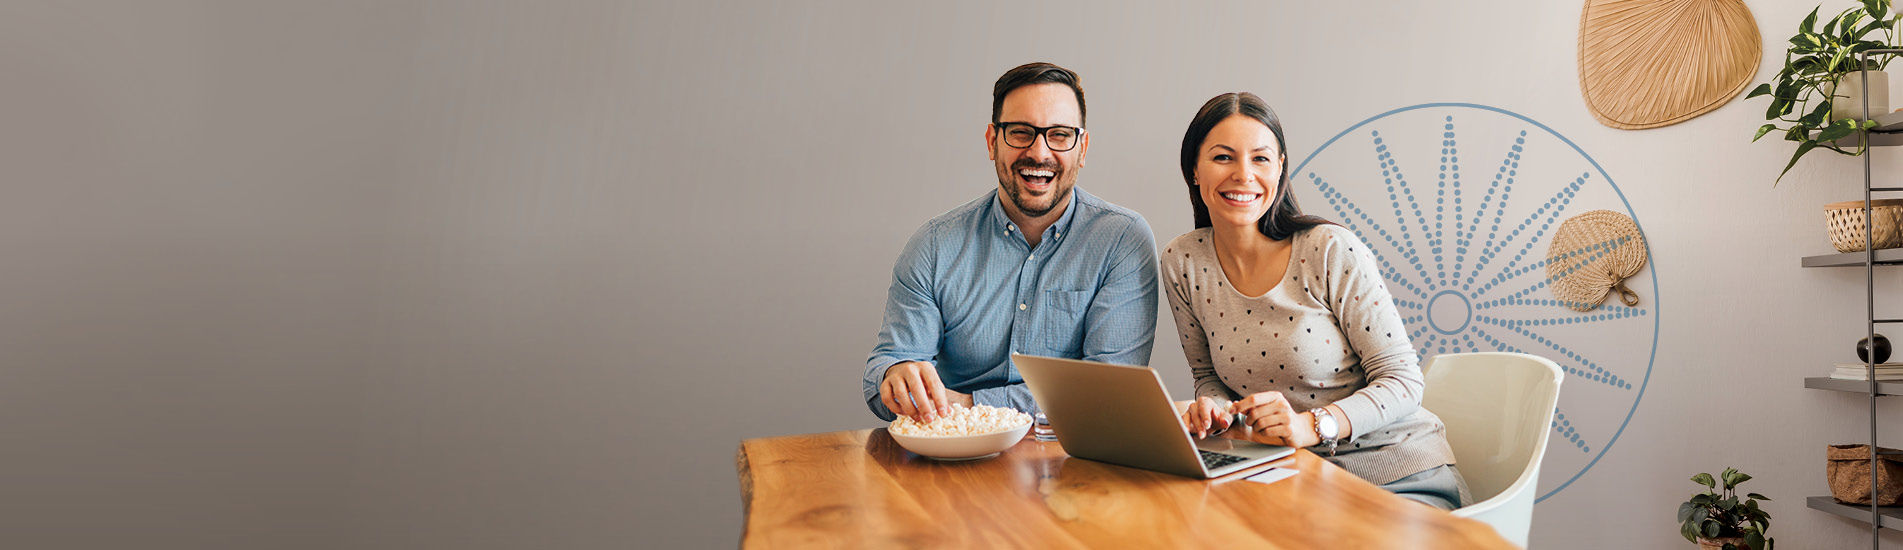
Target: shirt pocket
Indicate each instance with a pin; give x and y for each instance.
(1063, 330)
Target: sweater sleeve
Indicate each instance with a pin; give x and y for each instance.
(1176, 265)
(1367, 315)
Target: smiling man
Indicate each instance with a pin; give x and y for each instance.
(1036, 266)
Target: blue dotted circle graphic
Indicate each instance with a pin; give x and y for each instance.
(1463, 248)
(1446, 306)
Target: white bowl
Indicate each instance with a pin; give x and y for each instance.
(962, 447)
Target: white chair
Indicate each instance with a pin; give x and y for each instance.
(1498, 408)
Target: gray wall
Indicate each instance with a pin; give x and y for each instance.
(503, 275)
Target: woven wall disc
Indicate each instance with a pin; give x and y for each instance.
(1592, 255)
(1651, 63)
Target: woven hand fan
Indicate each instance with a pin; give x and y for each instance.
(1593, 254)
(1651, 63)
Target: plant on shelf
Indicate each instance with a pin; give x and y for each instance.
(1816, 63)
(1715, 519)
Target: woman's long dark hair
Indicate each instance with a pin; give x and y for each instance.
(1284, 218)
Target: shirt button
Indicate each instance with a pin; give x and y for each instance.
(1033, 257)
(1057, 235)
(1020, 307)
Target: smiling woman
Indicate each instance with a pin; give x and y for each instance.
(1315, 353)
(1284, 217)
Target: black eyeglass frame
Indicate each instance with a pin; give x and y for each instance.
(1042, 131)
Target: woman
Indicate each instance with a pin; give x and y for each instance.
(1285, 320)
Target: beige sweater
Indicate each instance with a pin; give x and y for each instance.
(1327, 333)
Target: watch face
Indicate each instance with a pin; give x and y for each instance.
(1325, 425)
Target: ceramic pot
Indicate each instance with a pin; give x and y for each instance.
(1719, 543)
(1847, 100)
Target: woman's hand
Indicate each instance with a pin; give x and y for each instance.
(1205, 416)
(1273, 421)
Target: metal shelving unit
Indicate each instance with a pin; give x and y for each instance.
(1887, 133)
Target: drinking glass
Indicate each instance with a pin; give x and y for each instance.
(1041, 428)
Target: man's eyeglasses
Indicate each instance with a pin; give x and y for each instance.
(1021, 135)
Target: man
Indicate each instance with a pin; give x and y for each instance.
(1036, 266)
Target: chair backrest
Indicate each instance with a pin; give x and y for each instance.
(1499, 409)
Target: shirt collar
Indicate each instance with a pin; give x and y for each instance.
(1056, 230)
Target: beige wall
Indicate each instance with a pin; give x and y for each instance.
(513, 275)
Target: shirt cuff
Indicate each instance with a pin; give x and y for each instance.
(1014, 396)
(875, 376)
(992, 397)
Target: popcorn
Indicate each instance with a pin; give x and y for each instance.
(978, 420)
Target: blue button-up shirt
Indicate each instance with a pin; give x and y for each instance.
(968, 291)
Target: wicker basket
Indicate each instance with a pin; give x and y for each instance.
(1849, 472)
(1845, 220)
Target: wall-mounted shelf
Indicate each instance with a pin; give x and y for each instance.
(1887, 256)
(1884, 387)
(1888, 133)
(1892, 515)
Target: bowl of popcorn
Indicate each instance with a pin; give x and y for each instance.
(966, 434)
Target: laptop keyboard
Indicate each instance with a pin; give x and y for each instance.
(1214, 460)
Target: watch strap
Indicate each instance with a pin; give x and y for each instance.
(1331, 440)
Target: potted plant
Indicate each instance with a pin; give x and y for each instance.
(1716, 520)
(1815, 68)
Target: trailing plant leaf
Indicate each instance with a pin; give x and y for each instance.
(1836, 130)
(1809, 40)
(1816, 116)
(1802, 148)
(1779, 108)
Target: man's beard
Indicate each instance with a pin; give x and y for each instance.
(1061, 185)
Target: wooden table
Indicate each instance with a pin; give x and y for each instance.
(860, 489)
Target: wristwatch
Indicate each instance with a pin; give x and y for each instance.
(1327, 428)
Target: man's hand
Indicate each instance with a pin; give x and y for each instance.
(1275, 422)
(912, 389)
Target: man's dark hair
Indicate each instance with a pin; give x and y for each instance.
(1035, 73)
(1284, 217)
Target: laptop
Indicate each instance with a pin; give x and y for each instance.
(1122, 415)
